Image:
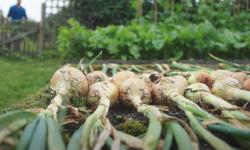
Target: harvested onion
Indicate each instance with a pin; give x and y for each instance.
(97, 128)
(201, 77)
(200, 92)
(67, 82)
(135, 91)
(120, 77)
(246, 84)
(96, 76)
(102, 94)
(230, 89)
(172, 89)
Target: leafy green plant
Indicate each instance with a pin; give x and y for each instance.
(165, 39)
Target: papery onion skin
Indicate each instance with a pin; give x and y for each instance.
(168, 85)
(246, 84)
(96, 76)
(220, 74)
(104, 89)
(196, 91)
(69, 81)
(241, 76)
(201, 77)
(221, 88)
(121, 76)
(135, 90)
(200, 92)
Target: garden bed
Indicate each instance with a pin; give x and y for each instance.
(124, 118)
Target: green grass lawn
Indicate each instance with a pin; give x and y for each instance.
(19, 78)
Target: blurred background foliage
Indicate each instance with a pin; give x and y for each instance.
(156, 29)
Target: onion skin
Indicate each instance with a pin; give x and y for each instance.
(96, 76)
(69, 81)
(200, 92)
(104, 89)
(161, 91)
(201, 77)
(224, 88)
(134, 90)
(241, 76)
(120, 77)
(246, 84)
(220, 74)
(66, 82)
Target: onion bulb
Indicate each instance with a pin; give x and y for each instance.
(104, 94)
(102, 89)
(67, 82)
(246, 84)
(201, 77)
(135, 91)
(220, 74)
(96, 76)
(162, 90)
(121, 76)
(230, 89)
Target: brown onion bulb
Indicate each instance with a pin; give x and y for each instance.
(221, 88)
(246, 84)
(135, 91)
(220, 74)
(201, 77)
(121, 76)
(241, 76)
(103, 89)
(96, 76)
(166, 86)
(69, 81)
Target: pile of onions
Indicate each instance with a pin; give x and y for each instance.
(97, 129)
(137, 92)
(171, 89)
(200, 92)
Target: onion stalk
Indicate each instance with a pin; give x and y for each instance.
(232, 65)
(172, 89)
(200, 92)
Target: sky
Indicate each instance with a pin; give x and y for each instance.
(33, 8)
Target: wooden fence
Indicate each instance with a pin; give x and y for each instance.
(31, 38)
(20, 38)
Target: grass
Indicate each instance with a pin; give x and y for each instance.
(19, 78)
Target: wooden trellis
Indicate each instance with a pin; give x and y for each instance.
(54, 6)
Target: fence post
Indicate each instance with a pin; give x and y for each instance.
(41, 30)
